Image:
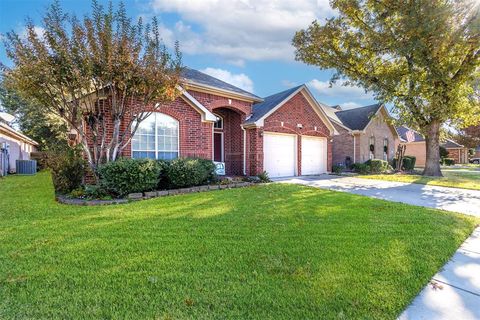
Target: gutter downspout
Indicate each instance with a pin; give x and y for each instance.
(354, 151)
(244, 150)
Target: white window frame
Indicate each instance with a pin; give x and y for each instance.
(385, 153)
(222, 158)
(219, 118)
(157, 151)
(370, 152)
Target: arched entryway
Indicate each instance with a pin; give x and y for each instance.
(228, 140)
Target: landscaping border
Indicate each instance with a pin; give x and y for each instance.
(151, 194)
(163, 193)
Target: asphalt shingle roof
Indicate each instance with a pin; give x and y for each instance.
(357, 118)
(452, 144)
(195, 76)
(262, 108)
(402, 132)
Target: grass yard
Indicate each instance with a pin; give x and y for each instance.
(465, 179)
(267, 252)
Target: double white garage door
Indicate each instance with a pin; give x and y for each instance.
(280, 155)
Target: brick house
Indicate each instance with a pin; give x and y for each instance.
(285, 134)
(415, 146)
(364, 133)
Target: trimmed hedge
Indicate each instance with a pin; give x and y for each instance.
(371, 166)
(126, 176)
(408, 163)
(361, 168)
(378, 166)
(447, 162)
(186, 172)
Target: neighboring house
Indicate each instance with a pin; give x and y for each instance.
(285, 134)
(477, 152)
(415, 146)
(13, 146)
(361, 130)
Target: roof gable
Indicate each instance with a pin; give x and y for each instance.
(259, 110)
(357, 118)
(270, 104)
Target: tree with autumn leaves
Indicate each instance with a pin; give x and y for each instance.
(420, 55)
(92, 72)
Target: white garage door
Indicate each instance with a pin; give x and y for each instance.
(279, 154)
(314, 155)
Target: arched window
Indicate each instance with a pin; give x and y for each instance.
(156, 138)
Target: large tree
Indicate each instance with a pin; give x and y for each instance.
(48, 129)
(92, 72)
(420, 55)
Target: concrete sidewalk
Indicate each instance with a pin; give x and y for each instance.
(454, 292)
(451, 199)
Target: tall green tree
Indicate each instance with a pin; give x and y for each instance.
(48, 129)
(102, 74)
(420, 55)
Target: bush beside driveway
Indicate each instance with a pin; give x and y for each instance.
(270, 251)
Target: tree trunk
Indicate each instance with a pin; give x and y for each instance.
(432, 141)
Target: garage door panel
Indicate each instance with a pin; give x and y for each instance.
(314, 155)
(279, 154)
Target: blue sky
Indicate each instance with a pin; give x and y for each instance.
(244, 42)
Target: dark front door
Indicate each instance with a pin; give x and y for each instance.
(218, 147)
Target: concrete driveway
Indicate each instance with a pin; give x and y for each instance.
(451, 199)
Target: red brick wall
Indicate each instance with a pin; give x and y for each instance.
(254, 151)
(285, 120)
(343, 145)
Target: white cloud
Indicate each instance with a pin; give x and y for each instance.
(38, 30)
(337, 90)
(350, 105)
(242, 29)
(239, 80)
(288, 83)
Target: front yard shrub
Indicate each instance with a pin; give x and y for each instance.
(336, 168)
(263, 177)
(443, 152)
(188, 172)
(163, 181)
(68, 168)
(361, 168)
(448, 162)
(408, 163)
(378, 166)
(126, 176)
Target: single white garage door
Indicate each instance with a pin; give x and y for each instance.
(279, 154)
(314, 155)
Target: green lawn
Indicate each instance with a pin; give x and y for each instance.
(459, 178)
(266, 252)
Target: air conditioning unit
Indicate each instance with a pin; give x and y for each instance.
(26, 166)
